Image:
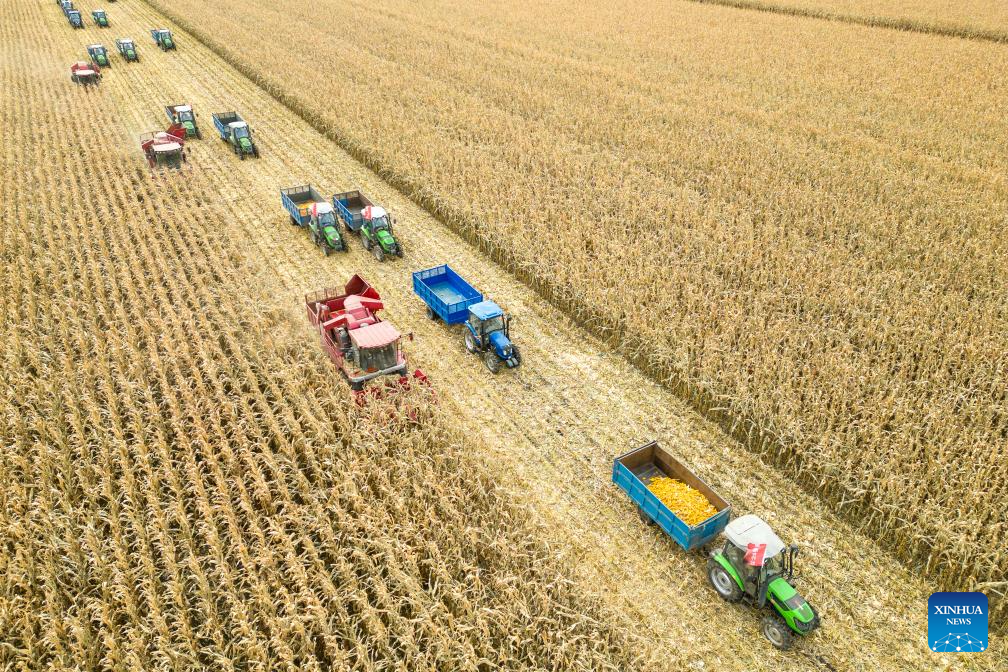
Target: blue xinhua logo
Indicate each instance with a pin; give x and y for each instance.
(957, 622)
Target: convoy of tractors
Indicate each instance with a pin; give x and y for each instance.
(751, 565)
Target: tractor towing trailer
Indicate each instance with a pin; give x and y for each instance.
(185, 117)
(307, 207)
(752, 565)
(372, 222)
(487, 330)
(234, 131)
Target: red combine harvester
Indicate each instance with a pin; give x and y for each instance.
(358, 342)
(164, 149)
(85, 73)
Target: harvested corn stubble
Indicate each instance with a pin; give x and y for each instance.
(688, 503)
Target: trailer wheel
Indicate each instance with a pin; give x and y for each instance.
(492, 361)
(777, 631)
(723, 582)
(294, 221)
(431, 315)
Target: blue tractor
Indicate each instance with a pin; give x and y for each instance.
(487, 329)
(488, 333)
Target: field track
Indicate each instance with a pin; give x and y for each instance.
(549, 430)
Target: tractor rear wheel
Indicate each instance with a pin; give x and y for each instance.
(492, 361)
(367, 242)
(470, 341)
(723, 582)
(379, 253)
(777, 631)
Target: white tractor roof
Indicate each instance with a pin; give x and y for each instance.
(95, 46)
(322, 208)
(183, 108)
(237, 124)
(374, 212)
(85, 73)
(167, 147)
(751, 529)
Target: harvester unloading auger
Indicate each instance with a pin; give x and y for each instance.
(165, 149)
(362, 346)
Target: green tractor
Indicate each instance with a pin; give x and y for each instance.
(376, 233)
(324, 229)
(755, 566)
(99, 55)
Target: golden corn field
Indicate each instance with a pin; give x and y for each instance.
(977, 19)
(186, 484)
(827, 280)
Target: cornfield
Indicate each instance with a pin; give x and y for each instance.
(971, 19)
(805, 241)
(185, 482)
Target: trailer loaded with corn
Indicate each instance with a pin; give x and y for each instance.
(752, 564)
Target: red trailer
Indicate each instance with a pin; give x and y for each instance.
(357, 341)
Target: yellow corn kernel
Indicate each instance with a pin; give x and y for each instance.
(687, 503)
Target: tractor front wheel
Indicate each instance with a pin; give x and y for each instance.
(777, 631)
(492, 361)
(723, 582)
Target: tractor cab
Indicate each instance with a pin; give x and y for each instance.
(127, 48)
(74, 17)
(324, 214)
(488, 331)
(239, 130)
(98, 54)
(163, 38)
(99, 17)
(754, 564)
(377, 234)
(324, 228)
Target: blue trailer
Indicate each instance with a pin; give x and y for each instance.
(446, 294)
(633, 472)
(236, 132)
(298, 202)
(487, 329)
